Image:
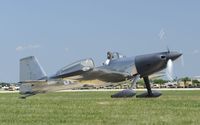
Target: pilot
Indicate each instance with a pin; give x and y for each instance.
(109, 57)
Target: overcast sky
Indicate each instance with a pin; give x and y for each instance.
(59, 32)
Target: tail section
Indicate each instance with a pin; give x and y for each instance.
(31, 70)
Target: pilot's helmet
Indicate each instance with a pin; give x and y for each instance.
(109, 55)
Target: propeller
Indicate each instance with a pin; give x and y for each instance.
(182, 60)
(169, 70)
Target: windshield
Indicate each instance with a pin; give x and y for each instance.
(116, 55)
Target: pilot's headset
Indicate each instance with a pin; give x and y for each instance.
(109, 55)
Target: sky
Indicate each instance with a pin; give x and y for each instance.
(59, 32)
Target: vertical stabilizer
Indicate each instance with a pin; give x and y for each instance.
(30, 69)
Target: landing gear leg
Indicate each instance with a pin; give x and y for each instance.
(128, 92)
(149, 92)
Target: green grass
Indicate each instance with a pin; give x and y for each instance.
(97, 108)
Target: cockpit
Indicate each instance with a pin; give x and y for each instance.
(113, 56)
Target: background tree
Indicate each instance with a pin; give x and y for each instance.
(185, 80)
(196, 82)
(159, 81)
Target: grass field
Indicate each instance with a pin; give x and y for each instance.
(97, 108)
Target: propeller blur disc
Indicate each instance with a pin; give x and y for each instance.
(182, 61)
(169, 70)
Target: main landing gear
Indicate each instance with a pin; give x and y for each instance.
(149, 92)
(130, 92)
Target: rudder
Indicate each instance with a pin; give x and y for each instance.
(30, 69)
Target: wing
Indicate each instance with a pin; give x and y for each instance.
(105, 75)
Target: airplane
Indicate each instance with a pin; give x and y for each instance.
(117, 68)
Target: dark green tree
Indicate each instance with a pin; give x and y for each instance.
(185, 80)
(159, 81)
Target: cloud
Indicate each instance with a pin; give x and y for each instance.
(196, 51)
(19, 48)
(66, 49)
(27, 47)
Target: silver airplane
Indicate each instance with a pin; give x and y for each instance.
(117, 68)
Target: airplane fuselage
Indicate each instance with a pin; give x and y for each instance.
(117, 69)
